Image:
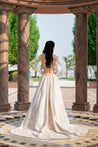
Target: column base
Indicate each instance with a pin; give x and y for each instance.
(95, 108)
(81, 106)
(5, 108)
(21, 106)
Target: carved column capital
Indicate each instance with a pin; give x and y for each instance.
(7, 7)
(94, 8)
(83, 9)
(23, 10)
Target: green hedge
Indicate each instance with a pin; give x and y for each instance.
(13, 76)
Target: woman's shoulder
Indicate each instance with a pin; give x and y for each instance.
(56, 57)
(42, 55)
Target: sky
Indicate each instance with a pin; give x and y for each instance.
(56, 27)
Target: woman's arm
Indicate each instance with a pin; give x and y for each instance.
(39, 63)
(57, 64)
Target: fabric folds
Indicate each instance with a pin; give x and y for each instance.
(46, 117)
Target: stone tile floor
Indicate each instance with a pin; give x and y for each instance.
(9, 120)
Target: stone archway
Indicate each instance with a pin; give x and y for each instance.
(25, 8)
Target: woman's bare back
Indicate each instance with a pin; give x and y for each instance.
(50, 69)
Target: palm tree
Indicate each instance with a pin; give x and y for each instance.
(92, 70)
(70, 63)
(33, 64)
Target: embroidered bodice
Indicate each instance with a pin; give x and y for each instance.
(41, 66)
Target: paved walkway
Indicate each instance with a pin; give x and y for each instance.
(62, 82)
(68, 93)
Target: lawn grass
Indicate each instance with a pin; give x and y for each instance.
(70, 79)
(36, 79)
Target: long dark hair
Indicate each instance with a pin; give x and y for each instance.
(48, 51)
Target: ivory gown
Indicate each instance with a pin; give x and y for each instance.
(46, 117)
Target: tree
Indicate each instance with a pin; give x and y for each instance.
(13, 39)
(92, 29)
(70, 62)
(12, 30)
(33, 64)
(34, 36)
(92, 39)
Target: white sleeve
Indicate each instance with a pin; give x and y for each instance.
(57, 64)
(39, 65)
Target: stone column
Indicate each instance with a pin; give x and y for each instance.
(95, 108)
(4, 105)
(81, 73)
(23, 58)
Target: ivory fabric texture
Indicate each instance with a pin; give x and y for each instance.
(46, 117)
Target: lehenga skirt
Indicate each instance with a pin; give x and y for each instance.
(46, 117)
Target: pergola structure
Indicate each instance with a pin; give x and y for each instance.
(24, 8)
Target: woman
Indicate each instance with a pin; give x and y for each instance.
(46, 117)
